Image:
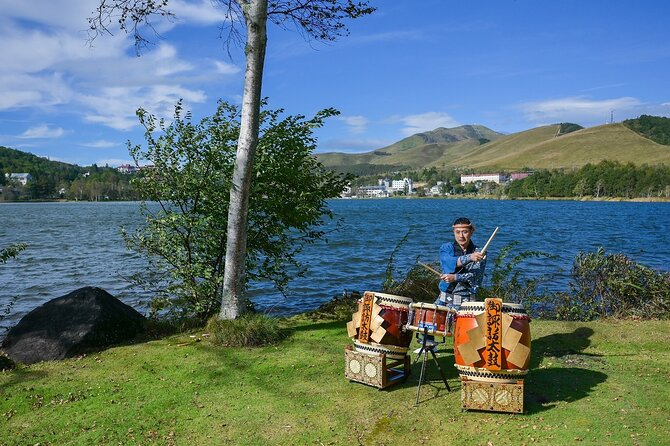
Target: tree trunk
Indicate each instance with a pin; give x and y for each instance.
(232, 299)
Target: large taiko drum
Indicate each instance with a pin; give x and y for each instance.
(430, 319)
(492, 342)
(379, 324)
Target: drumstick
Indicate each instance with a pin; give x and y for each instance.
(483, 251)
(429, 268)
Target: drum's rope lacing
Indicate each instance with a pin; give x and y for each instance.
(521, 317)
(480, 309)
(387, 307)
(510, 374)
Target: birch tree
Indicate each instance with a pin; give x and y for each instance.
(316, 19)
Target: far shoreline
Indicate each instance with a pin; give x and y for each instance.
(447, 197)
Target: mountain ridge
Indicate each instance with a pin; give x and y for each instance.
(476, 147)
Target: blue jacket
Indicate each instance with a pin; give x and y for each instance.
(468, 277)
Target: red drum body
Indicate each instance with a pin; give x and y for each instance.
(430, 319)
(471, 351)
(378, 327)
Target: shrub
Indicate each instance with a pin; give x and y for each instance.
(612, 285)
(186, 195)
(250, 330)
(418, 282)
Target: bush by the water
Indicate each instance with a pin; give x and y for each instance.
(612, 285)
(419, 282)
(250, 330)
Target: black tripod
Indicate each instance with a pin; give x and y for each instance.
(427, 346)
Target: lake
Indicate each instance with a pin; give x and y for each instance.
(71, 245)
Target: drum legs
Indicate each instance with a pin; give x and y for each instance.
(427, 347)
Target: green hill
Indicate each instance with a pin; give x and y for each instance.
(547, 147)
(416, 151)
(55, 179)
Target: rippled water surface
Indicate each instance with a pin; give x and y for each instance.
(71, 245)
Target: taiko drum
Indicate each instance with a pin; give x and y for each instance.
(378, 327)
(429, 318)
(470, 355)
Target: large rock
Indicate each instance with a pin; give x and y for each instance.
(85, 320)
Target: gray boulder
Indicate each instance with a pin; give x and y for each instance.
(85, 320)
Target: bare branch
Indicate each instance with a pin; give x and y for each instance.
(314, 19)
(131, 16)
(318, 19)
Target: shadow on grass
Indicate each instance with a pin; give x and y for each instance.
(19, 376)
(545, 387)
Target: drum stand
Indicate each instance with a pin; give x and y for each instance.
(424, 350)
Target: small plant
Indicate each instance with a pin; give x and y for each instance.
(419, 284)
(339, 308)
(250, 330)
(5, 254)
(11, 252)
(6, 363)
(507, 282)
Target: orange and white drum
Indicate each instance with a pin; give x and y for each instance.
(492, 341)
(379, 324)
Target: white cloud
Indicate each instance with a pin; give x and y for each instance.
(202, 12)
(352, 145)
(578, 109)
(356, 124)
(42, 131)
(115, 107)
(25, 90)
(226, 68)
(101, 144)
(425, 122)
(47, 63)
(63, 13)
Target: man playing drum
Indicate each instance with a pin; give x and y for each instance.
(462, 266)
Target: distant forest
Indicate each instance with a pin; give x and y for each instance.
(605, 179)
(656, 128)
(57, 180)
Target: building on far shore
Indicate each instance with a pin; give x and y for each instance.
(492, 177)
(22, 178)
(127, 168)
(499, 178)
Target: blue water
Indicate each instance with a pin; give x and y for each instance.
(71, 245)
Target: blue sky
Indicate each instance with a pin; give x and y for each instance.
(413, 66)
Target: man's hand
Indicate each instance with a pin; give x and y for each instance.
(448, 277)
(477, 256)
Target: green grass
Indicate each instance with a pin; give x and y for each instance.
(598, 383)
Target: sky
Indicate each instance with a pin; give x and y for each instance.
(412, 66)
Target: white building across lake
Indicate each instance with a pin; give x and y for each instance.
(22, 178)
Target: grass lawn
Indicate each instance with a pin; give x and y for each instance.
(591, 383)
